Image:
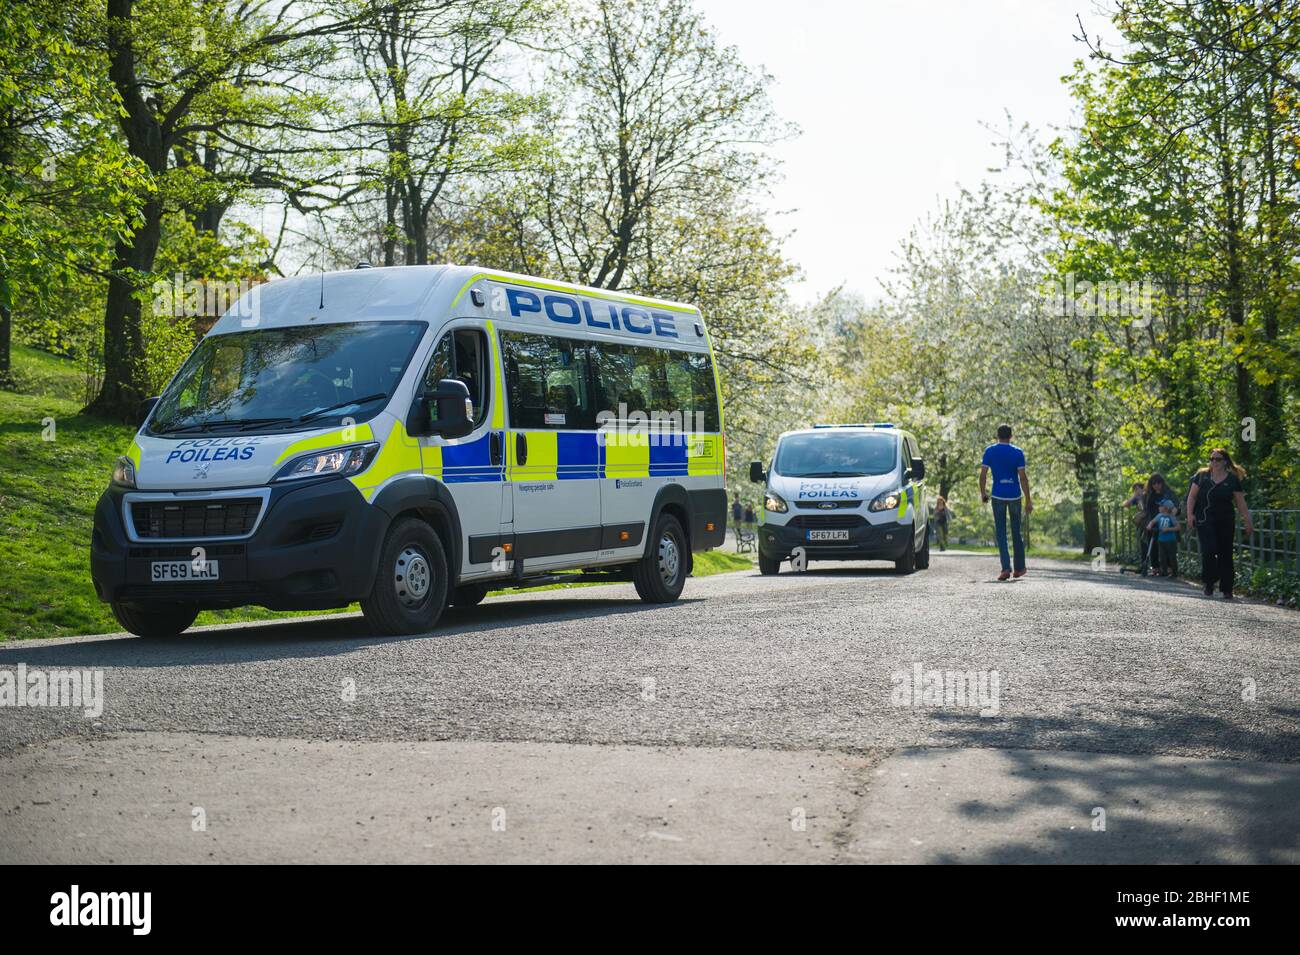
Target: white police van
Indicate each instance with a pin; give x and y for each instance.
(410, 437)
(844, 492)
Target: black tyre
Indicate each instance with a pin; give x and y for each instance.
(155, 620)
(468, 595)
(410, 589)
(660, 575)
(923, 557)
(768, 566)
(907, 563)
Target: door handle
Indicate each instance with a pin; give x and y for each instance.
(521, 447)
(495, 447)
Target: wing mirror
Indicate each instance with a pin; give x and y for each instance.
(756, 473)
(445, 411)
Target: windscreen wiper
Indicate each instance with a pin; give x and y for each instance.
(319, 412)
(188, 428)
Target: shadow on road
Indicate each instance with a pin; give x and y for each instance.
(1134, 584)
(1155, 810)
(1131, 730)
(316, 637)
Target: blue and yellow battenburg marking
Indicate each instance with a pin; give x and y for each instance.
(551, 456)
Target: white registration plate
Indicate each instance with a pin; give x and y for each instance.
(828, 535)
(176, 571)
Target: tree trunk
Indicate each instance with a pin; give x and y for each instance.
(1085, 472)
(133, 257)
(6, 319)
(124, 385)
(6, 336)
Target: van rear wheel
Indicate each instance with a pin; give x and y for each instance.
(660, 575)
(410, 590)
(154, 620)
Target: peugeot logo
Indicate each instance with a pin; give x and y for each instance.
(201, 471)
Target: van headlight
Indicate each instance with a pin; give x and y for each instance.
(124, 472)
(888, 501)
(775, 503)
(336, 461)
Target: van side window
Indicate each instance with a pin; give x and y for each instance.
(548, 381)
(632, 378)
(563, 383)
(704, 392)
(909, 452)
(462, 354)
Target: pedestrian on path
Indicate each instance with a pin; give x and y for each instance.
(1010, 484)
(1153, 493)
(942, 517)
(1216, 490)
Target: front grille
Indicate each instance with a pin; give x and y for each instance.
(232, 517)
(827, 521)
(825, 505)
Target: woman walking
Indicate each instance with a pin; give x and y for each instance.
(942, 515)
(1215, 492)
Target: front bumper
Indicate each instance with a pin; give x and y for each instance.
(866, 541)
(316, 547)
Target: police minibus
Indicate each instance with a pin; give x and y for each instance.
(844, 492)
(409, 438)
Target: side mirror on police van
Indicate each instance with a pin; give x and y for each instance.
(756, 472)
(454, 410)
(446, 411)
(142, 412)
(918, 469)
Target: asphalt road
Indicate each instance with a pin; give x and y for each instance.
(757, 719)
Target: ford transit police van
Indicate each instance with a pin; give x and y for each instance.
(409, 438)
(844, 492)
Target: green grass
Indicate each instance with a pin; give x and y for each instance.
(48, 491)
(710, 562)
(37, 372)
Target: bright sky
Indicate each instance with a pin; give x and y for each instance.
(891, 97)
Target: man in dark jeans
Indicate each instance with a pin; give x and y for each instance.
(1010, 482)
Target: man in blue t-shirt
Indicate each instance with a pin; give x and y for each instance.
(1010, 482)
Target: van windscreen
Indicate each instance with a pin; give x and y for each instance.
(836, 454)
(277, 378)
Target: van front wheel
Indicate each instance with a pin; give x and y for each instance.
(410, 589)
(660, 575)
(155, 620)
(768, 566)
(923, 556)
(907, 563)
